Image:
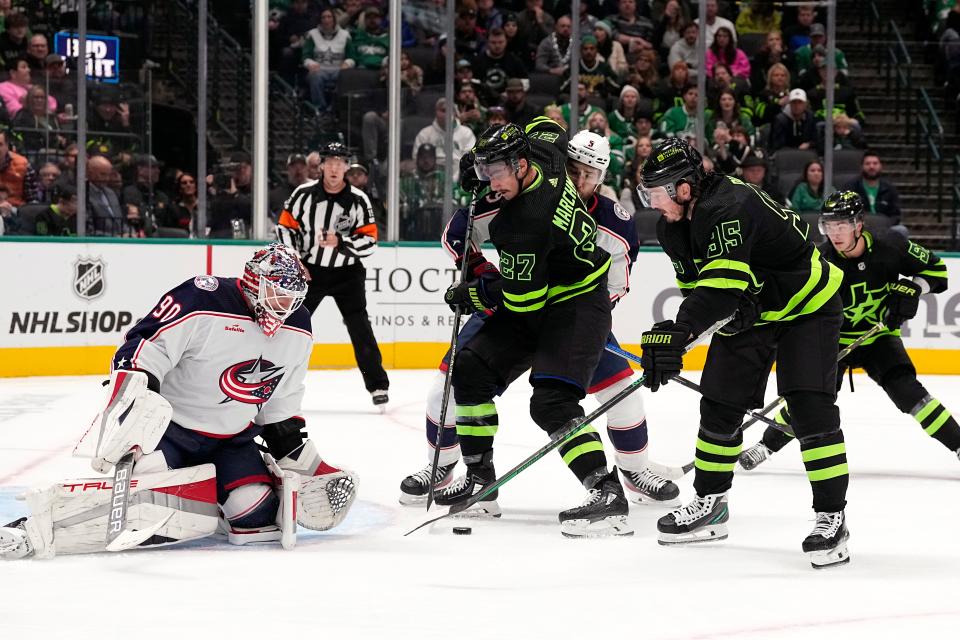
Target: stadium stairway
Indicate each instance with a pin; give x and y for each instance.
(886, 131)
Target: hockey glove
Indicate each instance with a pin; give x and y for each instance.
(469, 181)
(476, 296)
(902, 302)
(748, 312)
(662, 352)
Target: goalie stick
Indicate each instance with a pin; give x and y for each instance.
(560, 436)
(119, 538)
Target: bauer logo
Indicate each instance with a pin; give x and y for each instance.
(88, 277)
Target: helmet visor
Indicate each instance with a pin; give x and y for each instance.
(488, 171)
(654, 197)
(837, 228)
(591, 177)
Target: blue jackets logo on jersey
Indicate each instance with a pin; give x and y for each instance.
(250, 381)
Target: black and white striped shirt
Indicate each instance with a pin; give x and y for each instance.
(310, 210)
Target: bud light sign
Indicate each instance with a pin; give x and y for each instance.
(103, 55)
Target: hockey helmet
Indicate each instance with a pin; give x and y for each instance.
(274, 283)
(841, 210)
(592, 150)
(499, 148)
(672, 161)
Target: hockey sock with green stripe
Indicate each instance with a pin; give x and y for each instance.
(476, 426)
(714, 462)
(825, 459)
(774, 439)
(583, 453)
(937, 422)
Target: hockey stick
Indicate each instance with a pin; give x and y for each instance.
(119, 538)
(779, 401)
(689, 384)
(561, 436)
(448, 380)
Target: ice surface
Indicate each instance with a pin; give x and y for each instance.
(516, 577)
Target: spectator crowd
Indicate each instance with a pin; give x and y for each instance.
(765, 121)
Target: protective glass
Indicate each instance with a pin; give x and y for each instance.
(493, 171)
(654, 197)
(579, 171)
(837, 227)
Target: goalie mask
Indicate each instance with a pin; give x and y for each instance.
(275, 285)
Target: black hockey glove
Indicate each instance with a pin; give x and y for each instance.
(748, 312)
(662, 352)
(476, 296)
(469, 181)
(902, 303)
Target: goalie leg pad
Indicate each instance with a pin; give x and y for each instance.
(283, 523)
(326, 492)
(133, 416)
(72, 517)
(251, 506)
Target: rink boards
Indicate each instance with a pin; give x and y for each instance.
(67, 304)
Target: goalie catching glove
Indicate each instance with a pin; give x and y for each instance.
(662, 352)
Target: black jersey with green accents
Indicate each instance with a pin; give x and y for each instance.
(546, 239)
(740, 240)
(866, 279)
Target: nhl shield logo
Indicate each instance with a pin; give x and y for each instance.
(88, 277)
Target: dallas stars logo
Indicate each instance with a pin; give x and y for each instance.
(865, 304)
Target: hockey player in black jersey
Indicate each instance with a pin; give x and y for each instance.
(588, 157)
(736, 250)
(883, 279)
(553, 316)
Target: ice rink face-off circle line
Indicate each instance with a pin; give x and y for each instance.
(819, 625)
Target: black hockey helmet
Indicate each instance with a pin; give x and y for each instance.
(500, 144)
(673, 161)
(335, 150)
(840, 213)
(842, 205)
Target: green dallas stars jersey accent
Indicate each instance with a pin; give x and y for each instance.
(866, 279)
(739, 240)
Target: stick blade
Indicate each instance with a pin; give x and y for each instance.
(127, 539)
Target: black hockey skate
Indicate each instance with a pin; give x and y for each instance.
(827, 543)
(751, 458)
(703, 520)
(380, 399)
(647, 487)
(466, 486)
(603, 513)
(414, 488)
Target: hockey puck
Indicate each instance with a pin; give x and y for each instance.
(462, 531)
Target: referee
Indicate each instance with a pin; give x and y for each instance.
(331, 225)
